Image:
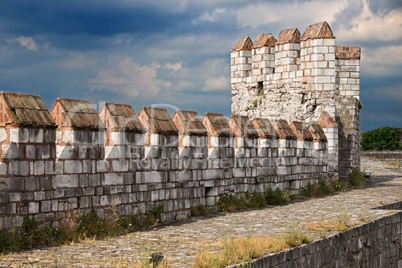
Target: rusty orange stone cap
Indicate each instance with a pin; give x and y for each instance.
(301, 131)
(244, 43)
(21, 109)
(318, 30)
(264, 39)
(284, 130)
(264, 128)
(216, 124)
(241, 126)
(73, 113)
(317, 132)
(326, 121)
(288, 36)
(189, 123)
(157, 120)
(347, 52)
(119, 116)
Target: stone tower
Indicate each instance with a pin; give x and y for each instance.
(305, 78)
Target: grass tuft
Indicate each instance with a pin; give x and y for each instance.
(200, 210)
(236, 250)
(356, 178)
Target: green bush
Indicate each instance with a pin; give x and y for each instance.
(276, 197)
(310, 191)
(200, 210)
(356, 178)
(384, 138)
(324, 188)
(338, 185)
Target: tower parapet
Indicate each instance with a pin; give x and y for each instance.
(297, 78)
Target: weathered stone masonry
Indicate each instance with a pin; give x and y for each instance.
(75, 158)
(300, 77)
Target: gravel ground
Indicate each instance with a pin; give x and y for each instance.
(180, 241)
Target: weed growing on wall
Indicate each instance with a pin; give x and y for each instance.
(276, 197)
(200, 210)
(236, 250)
(356, 178)
(294, 237)
(252, 200)
(321, 189)
(76, 228)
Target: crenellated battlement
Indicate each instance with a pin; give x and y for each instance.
(295, 120)
(311, 60)
(298, 77)
(75, 158)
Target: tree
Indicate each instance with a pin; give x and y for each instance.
(380, 139)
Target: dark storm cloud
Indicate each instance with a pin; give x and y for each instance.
(179, 50)
(384, 6)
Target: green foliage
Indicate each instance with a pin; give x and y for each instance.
(91, 225)
(356, 178)
(384, 138)
(75, 228)
(324, 188)
(360, 105)
(338, 185)
(255, 102)
(310, 191)
(257, 200)
(200, 210)
(232, 203)
(27, 236)
(294, 237)
(276, 197)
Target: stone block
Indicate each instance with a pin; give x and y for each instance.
(36, 135)
(12, 151)
(116, 152)
(185, 175)
(3, 134)
(33, 207)
(72, 166)
(66, 152)
(65, 181)
(120, 165)
(114, 179)
(45, 183)
(19, 168)
(152, 152)
(102, 166)
(153, 177)
(19, 135)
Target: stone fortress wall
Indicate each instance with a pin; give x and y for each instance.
(299, 77)
(73, 158)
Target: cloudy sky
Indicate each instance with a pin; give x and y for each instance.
(176, 53)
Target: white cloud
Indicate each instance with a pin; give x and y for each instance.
(369, 26)
(174, 66)
(382, 61)
(192, 45)
(27, 42)
(130, 77)
(76, 61)
(212, 16)
(217, 84)
(172, 6)
(292, 14)
(210, 75)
